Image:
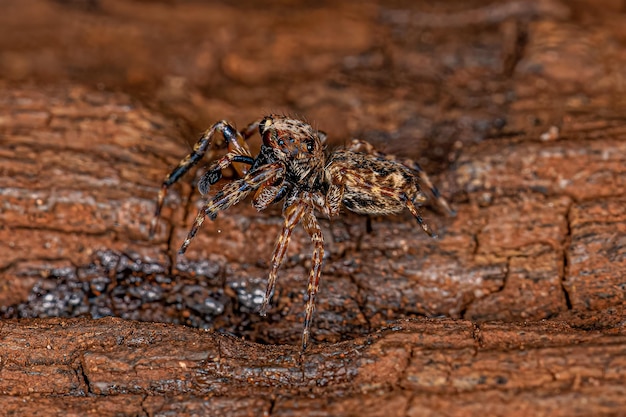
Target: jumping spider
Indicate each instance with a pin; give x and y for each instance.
(292, 166)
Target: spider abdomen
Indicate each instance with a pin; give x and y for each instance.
(357, 202)
(372, 185)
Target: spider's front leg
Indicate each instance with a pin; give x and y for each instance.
(233, 193)
(238, 155)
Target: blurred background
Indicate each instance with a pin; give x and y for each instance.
(420, 77)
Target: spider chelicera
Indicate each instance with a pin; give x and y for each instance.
(292, 165)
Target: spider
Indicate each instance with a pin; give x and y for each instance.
(292, 165)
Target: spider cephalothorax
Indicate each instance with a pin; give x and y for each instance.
(292, 166)
(297, 145)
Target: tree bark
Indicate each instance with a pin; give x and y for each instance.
(431, 367)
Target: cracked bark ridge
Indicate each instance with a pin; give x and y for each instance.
(112, 367)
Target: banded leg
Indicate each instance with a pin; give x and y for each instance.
(334, 196)
(251, 129)
(423, 180)
(231, 194)
(270, 194)
(292, 215)
(312, 227)
(239, 148)
(417, 213)
(236, 144)
(214, 173)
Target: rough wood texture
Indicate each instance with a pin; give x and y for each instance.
(434, 367)
(520, 126)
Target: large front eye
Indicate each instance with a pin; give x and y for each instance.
(310, 145)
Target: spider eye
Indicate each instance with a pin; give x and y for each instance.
(310, 145)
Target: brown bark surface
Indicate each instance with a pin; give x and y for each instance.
(516, 110)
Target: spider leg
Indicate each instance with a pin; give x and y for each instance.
(292, 215)
(214, 173)
(332, 201)
(236, 146)
(312, 227)
(251, 129)
(422, 178)
(417, 213)
(231, 194)
(425, 183)
(270, 194)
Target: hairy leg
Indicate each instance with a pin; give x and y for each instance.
(236, 146)
(270, 194)
(251, 129)
(231, 194)
(334, 195)
(292, 215)
(417, 213)
(312, 227)
(214, 173)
